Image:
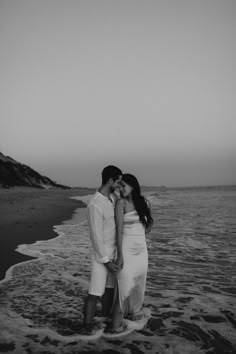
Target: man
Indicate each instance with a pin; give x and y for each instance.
(101, 221)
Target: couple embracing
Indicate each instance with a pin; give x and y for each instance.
(119, 251)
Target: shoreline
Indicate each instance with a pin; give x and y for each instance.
(29, 215)
(42, 303)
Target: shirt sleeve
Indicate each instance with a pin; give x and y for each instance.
(95, 221)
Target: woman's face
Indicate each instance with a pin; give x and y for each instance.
(125, 189)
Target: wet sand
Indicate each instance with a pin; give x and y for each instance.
(190, 286)
(28, 215)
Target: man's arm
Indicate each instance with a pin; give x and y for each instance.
(95, 221)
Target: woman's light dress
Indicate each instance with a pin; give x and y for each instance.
(132, 278)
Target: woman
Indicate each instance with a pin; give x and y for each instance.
(133, 220)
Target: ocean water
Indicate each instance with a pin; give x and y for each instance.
(191, 283)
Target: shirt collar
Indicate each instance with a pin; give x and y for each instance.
(111, 199)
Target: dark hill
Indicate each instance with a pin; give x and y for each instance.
(13, 173)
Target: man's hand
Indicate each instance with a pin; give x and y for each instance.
(112, 267)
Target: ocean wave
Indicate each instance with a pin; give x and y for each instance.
(190, 285)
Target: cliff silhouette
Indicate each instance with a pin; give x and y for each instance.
(14, 173)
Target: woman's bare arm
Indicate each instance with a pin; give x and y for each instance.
(119, 217)
(148, 229)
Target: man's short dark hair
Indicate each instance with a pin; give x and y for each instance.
(110, 172)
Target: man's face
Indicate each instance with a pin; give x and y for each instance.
(116, 183)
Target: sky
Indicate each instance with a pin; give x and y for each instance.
(144, 85)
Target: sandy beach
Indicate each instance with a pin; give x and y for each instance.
(190, 288)
(28, 215)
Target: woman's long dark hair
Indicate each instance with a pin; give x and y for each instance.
(139, 201)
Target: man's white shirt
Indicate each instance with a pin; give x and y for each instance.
(101, 221)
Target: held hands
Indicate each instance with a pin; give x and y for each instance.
(120, 262)
(112, 267)
(115, 267)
